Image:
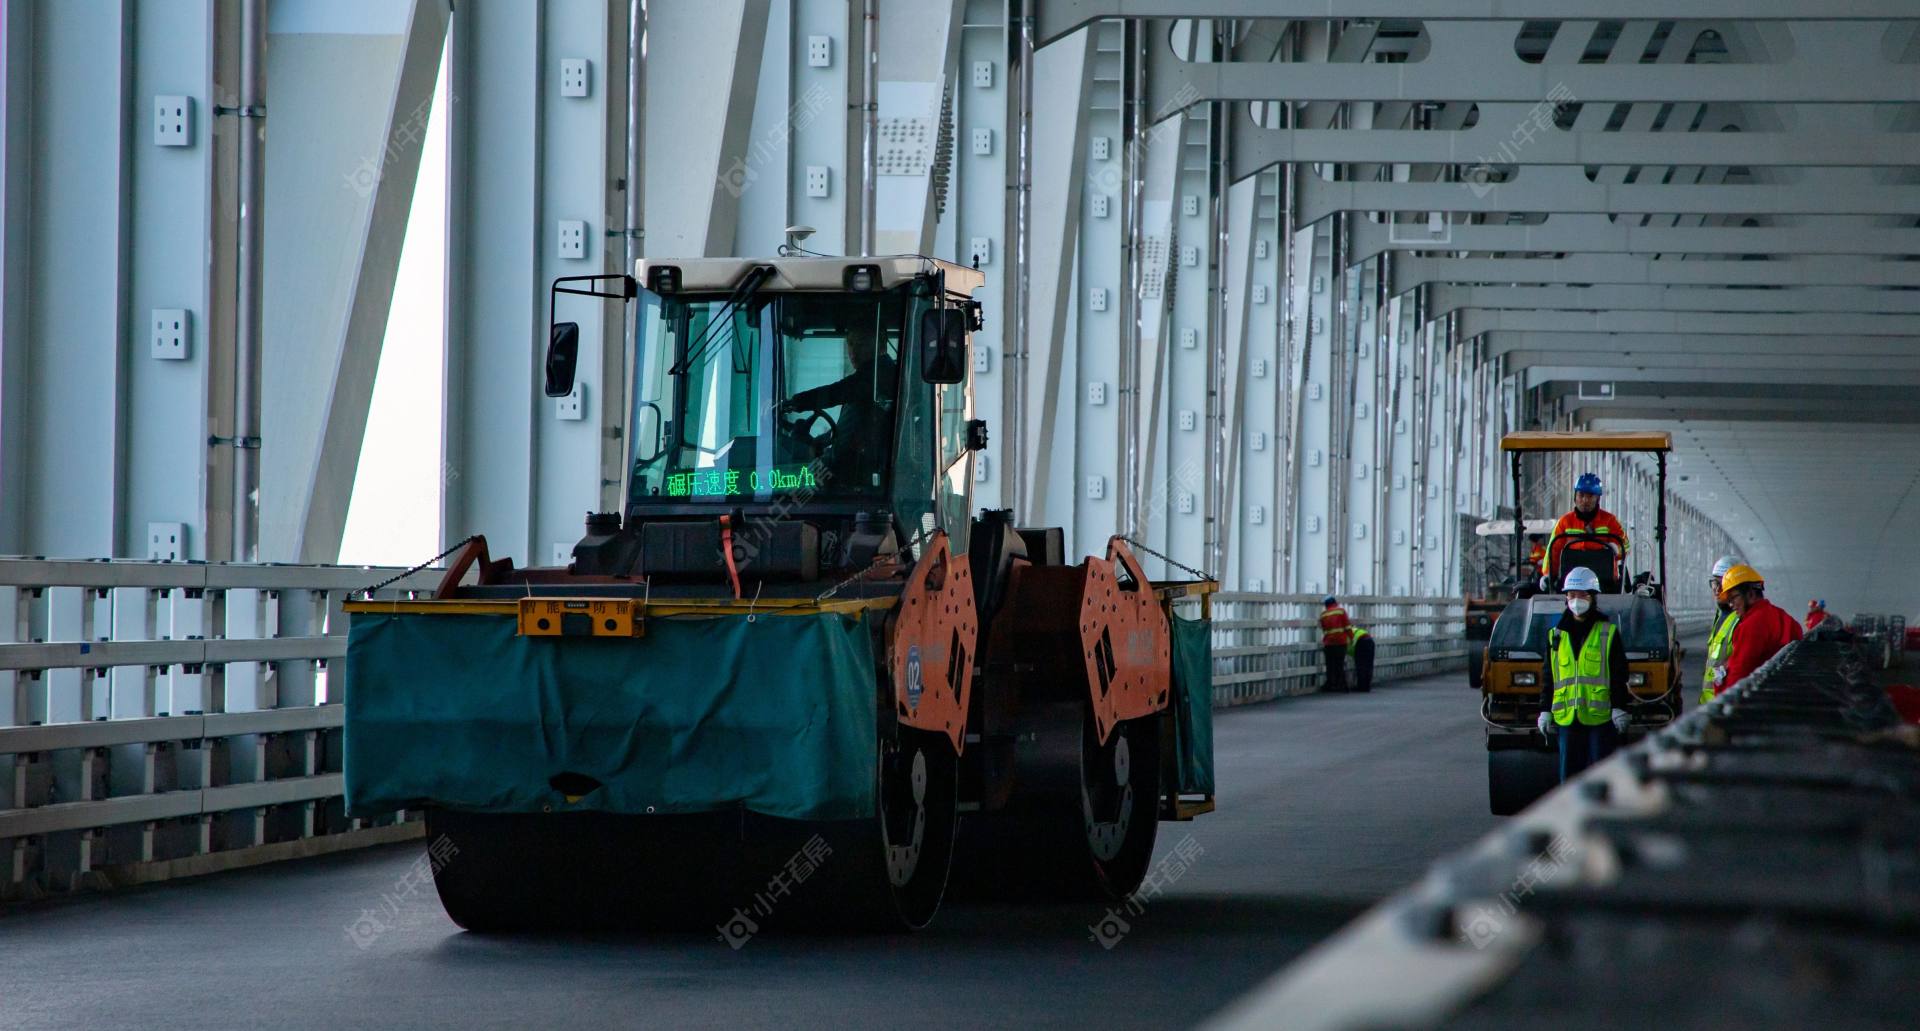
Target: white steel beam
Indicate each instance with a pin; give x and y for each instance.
(1814, 145)
(1415, 270)
(1449, 298)
(1693, 324)
(1478, 62)
(1236, 280)
(66, 404)
(1062, 79)
(16, 49)
(919, 41)
(1059, 17)
(1544, 369)
(700, 94)
(1568, 190)
(496, 307)
(1593, 234)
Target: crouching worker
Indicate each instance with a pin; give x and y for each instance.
(1587, 672)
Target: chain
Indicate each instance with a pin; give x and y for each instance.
(1167, 559)
(368, 592)
(871, 566)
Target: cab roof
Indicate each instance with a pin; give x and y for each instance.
(1560, 440)
(806, 272)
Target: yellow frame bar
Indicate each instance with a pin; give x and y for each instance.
(1559, 440)
(641, 608)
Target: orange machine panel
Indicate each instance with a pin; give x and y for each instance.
(1125, 638)
(935, 632)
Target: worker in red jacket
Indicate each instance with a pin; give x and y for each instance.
(1587, 526)
(1764, 627)
(1336, 633)
(1818, 616)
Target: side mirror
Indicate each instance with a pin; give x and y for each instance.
(943, 345)
(563, 355)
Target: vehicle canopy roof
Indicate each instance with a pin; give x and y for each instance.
(1587, 440)
(806, 272)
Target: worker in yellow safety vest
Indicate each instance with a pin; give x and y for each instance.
(1720, 644)
(1587, 670)
(1360, 650)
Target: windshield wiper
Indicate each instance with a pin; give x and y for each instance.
(756, 277)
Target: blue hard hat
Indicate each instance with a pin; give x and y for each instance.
(1580, 578)
(1588, 484)
(1328, 600)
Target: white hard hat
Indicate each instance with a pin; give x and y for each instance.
(1582, 579)
(1726, 562)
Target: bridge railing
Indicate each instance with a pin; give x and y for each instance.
(1268, 645)
(159, 719)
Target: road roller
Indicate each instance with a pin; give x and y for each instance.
(796, 679)
(1522, 764)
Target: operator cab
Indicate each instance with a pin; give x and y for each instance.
(817, 409)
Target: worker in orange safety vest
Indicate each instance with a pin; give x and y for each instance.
(1336, 633)
(1586, 526)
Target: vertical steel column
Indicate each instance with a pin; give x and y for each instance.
(869, 120)
(1286, 399)
(246, 357)
(1132, 139)
(1218, 173)
(635, 232)
(1013, 470)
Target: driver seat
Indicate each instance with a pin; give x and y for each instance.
(1604, 561)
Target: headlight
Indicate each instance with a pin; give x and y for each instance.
(1636, 680)
(1526, 680)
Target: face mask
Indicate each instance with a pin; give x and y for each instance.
(1579, 606)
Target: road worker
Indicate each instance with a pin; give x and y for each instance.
(1336, 633)
(1720, 643)
(1818, 618)
(1360, 649)
(1587, 526)
(1537, 553)
(1764, 627)
(1586, 671)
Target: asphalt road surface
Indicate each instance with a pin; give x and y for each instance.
(1327, 803)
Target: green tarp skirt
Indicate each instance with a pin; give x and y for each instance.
(777, 715)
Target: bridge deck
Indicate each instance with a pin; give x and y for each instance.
(1327, 804)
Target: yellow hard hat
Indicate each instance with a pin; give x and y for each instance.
(1739, 576)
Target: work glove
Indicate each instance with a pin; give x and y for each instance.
(1546, 585)
(1620, 720)
(1544, 723)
